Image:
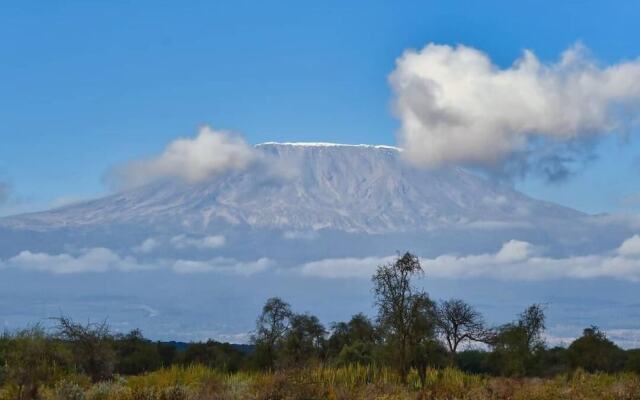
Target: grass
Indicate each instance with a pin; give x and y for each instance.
(350, 382)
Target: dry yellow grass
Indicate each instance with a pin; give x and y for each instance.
(351, 382)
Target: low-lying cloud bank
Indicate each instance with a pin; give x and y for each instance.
(515, 260)
(457, 107)
(222, 265)
(91, 260)
(100, 260)
(180, 242)
(193, 160)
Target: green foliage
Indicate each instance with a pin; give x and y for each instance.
(91, 345)
(135, 354)
(632, 363)
(222, 356)
(32, 359)
(400, 356)
(271, 327)
(406, 315)
(473, 361)
(594, 352)
(304, 340)
(517, 346)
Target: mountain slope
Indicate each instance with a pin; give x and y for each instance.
(312, 186)
(367, 189)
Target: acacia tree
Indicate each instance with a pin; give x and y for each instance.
(271, 327)
(516, 344)
(403, 310)
(459, 322)
(92, 347)
(533, 321)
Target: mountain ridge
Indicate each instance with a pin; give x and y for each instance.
(353, 188)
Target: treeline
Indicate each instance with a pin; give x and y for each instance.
(409, 332)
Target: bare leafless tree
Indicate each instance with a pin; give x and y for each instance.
(91, 345)
(459, 322)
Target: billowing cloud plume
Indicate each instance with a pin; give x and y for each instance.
(515, 260)
(457, 107)
(192, 160)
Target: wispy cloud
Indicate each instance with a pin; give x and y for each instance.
(515, 260)
(222, 265)
(300, 235)
(149, 245)
(457, 106)
(205, 242)
(181, 242)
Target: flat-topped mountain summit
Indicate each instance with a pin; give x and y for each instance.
(312, 186)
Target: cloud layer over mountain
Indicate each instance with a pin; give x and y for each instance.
(193, 160)
(456, 106)
(515, 260)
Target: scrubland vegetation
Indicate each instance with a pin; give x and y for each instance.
(414, 348)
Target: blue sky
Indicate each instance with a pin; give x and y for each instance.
(89, 85)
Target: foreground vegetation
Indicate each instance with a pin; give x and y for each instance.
(350, 382)
(412, 350)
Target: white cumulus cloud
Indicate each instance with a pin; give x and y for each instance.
(630, 247)
(515, 260)
(91, 260)
(210, 153)
(102, 260)
(456, 106)
(344, 267)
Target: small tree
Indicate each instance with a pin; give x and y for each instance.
(271, 327)
(92, 346)
(516, 344)
(459, 322)
(593, 352)
(304, 340)
(135, 354)
(533, 321)
(402, 309)
(353, 342)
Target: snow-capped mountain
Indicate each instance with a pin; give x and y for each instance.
(203, 257)
(310, 187)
